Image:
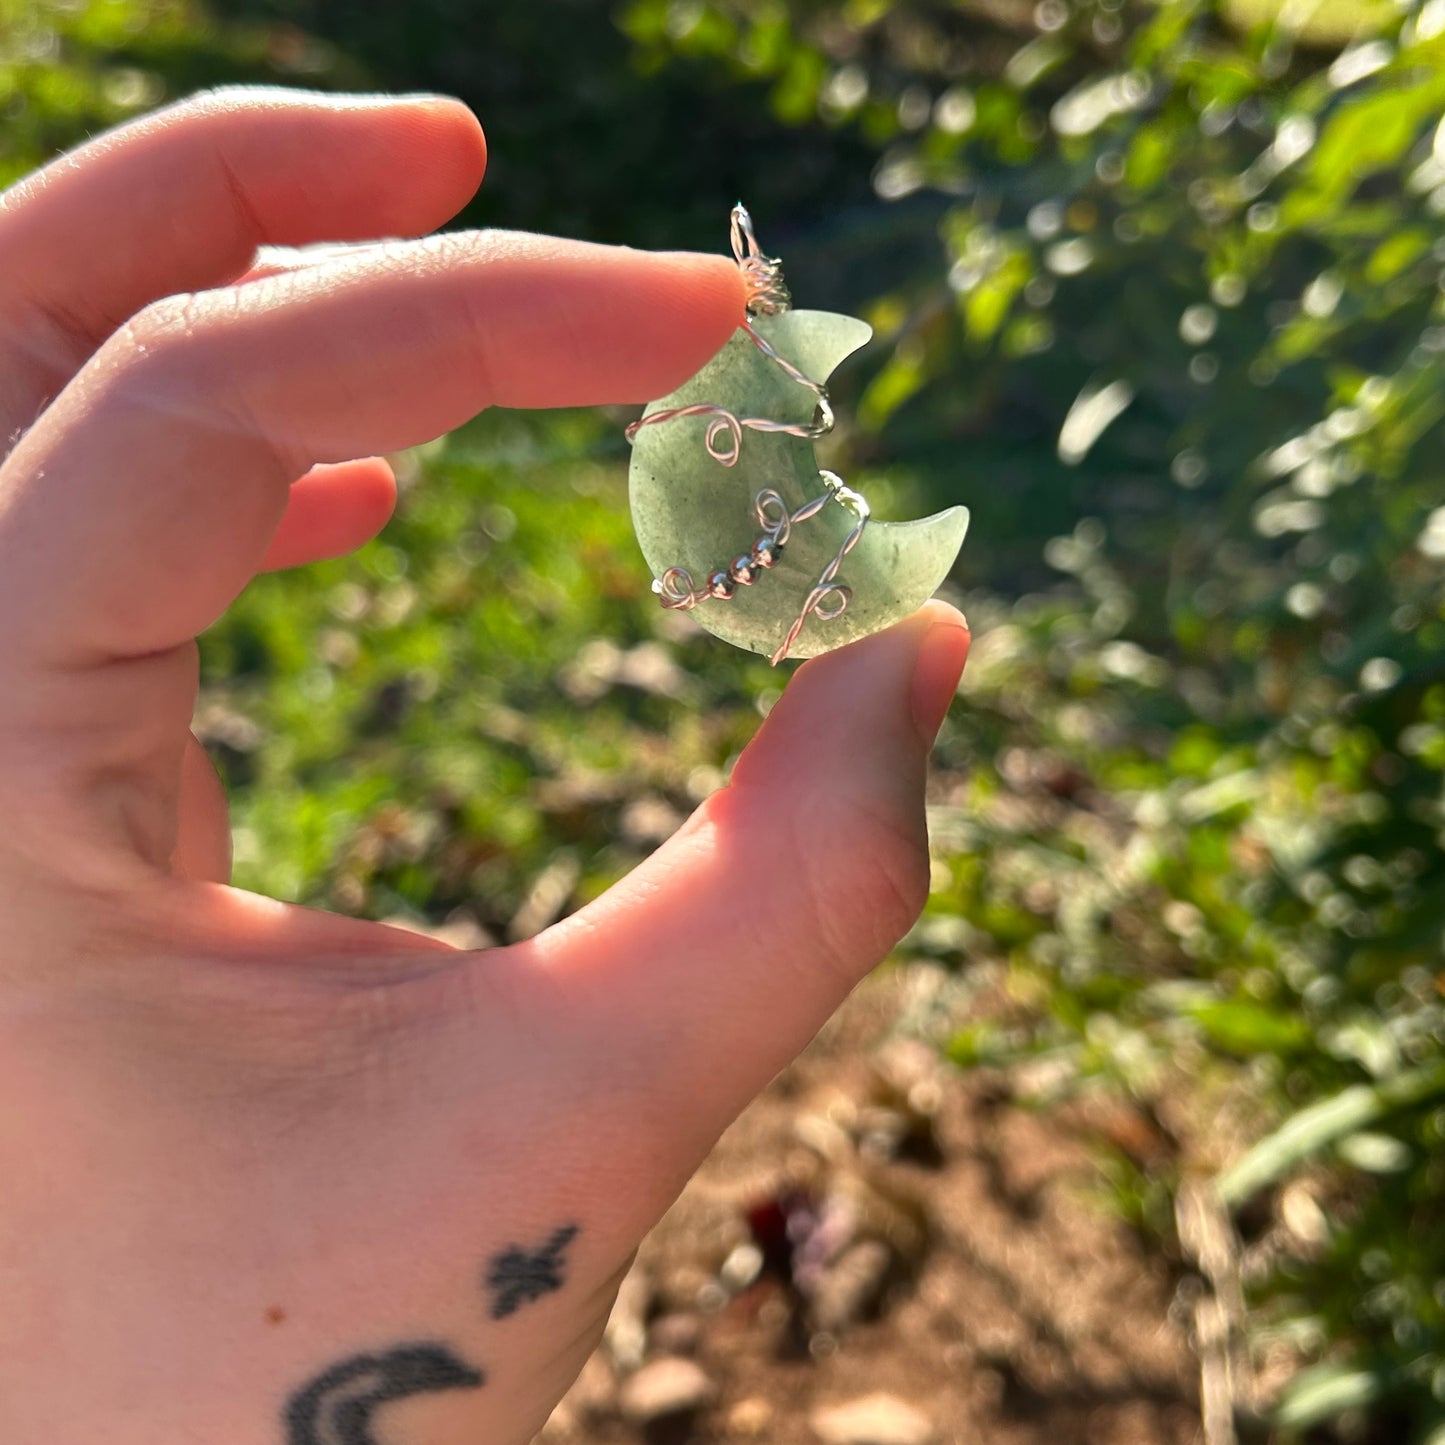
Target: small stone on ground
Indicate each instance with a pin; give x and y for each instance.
(873, 1420)
(664, 1388)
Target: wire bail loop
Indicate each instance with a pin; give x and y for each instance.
(763, 275)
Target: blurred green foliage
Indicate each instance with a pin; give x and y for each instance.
(1158, 288)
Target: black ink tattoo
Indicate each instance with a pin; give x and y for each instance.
(518, 1276)
(336, 1407)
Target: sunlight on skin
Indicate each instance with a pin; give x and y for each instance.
(274, 1178)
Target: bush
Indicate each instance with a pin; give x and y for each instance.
(1180, 275)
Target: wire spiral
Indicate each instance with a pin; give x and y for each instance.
(829, 599)
(767, 295)
(763, 275)
(724, 435)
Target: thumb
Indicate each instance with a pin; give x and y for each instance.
(714, 962)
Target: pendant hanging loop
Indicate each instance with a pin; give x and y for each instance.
(763, 275)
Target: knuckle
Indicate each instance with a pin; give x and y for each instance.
(176, 347)
(157, 332)
(177, 360)
(153, 359)
(450, 254)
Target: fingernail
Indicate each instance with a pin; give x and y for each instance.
(936, 673)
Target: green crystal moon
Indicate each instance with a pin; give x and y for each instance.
(691, 511)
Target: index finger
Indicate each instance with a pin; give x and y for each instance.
(144, 499)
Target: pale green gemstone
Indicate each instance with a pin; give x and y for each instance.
(691, 511)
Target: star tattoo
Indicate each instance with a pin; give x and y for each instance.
(518, 1276)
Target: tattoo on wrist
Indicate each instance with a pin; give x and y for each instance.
(337, 1407)
(517, 1276)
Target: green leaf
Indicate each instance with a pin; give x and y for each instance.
(1376, 1153)
(901, 377)
(1246, 1028)
(989, 302)
(1317, 1127)
(1325, 1391)
(1394, 254)
(1367, 135)
(1151, 153)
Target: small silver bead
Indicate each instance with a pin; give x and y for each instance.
(721, 586)
(742, 570)
(766, 552)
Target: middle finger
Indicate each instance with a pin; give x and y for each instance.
(180, 200)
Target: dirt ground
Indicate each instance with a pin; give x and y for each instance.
(885, 1251)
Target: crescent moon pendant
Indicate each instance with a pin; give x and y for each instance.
(691, 511)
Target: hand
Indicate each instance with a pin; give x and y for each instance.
(275, 1177)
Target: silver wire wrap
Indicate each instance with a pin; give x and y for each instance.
(763, 275)
(826, 587)
(724, 436)
(767, 295)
